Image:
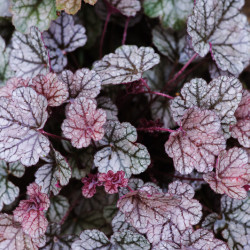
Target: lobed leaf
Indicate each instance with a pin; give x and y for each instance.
(172, 14)
(84, 122)
(69, 6)
(198, 142)
(83, 83)
(241, 130)
(8, 191)
(29, 57)
(62, 37)
(21, 117)
(231, 173)
(55, 91)
(120, 150)
(54, 174)
(13, 237)
(217, 26)
(28, 13)
(119, 223)
(221, 95)
(125, 65)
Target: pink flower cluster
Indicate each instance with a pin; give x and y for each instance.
(111, 182)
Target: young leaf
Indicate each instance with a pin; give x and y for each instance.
(126, 65)
(12, 235)
(51, 87)
(198, 143)
(94, 239)
(147, 206)
(59, 205)
(84, 83)
(21, 118)
(28, 13)
(218, 27)
(241, 130)
(127, 8)
(84, 122)
(90, 184)
(172, 14)
(5, 70)
(55, 171)
(232, 172)
(29, 57)
(8, 191)
(69, 6)
(120, 150)
(221, 95)
(233, 222)
(62, 37)
(30, 213)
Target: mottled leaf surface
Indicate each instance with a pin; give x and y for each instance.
(120, 150)
(21, 117)
(222, 95)
(62, 37)
(84, 122)
(109, 107)
(13, 237)
(172, 14)
(217, 26)
(55, 91)
(8, 191)
(55, 173)
(83, 83)
(241, 130)
(126, 65)
(28, 13)
(198, 143)
(29, 57)
(69, 6)
(232, 172)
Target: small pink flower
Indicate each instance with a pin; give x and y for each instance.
(90, 183)
(112, 181)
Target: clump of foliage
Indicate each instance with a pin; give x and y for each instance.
(124, 124)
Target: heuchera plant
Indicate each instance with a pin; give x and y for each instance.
(124, 124)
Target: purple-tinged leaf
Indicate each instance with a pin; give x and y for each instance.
(55, 91)
(241, 130)
(109, 107)
(198, 143)
(29, 57)
(84, 122)
(232, 172)
(120, 150)
(126, 65)
(12, 235)
(84, 83)
(221, 95)
(20, 119)
(217, 26)
(62, 37)
(119, 223)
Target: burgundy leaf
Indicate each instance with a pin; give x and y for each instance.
(112, 181)
(198, 142)
(90, 183)
(232, 172)
(84, 122)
